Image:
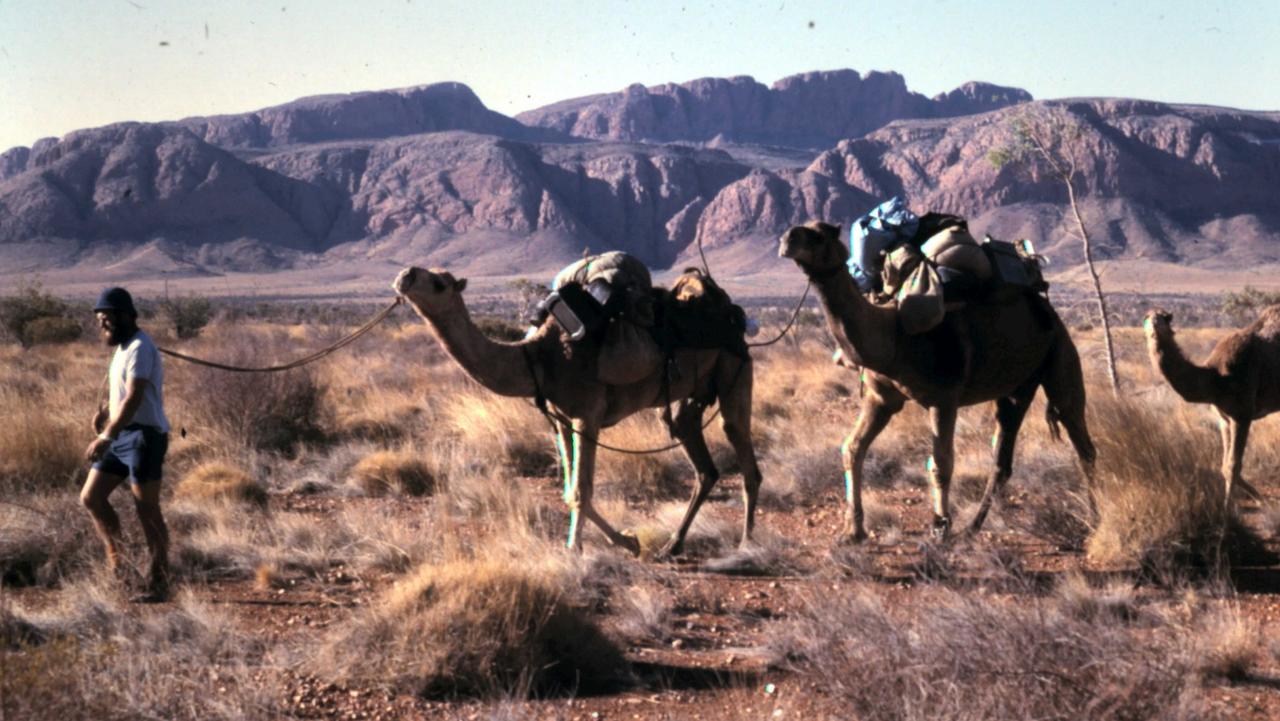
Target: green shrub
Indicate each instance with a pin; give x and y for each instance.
(29, 304)
(188, 314)
(51, 329)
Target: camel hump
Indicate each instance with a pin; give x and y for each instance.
(700, 314)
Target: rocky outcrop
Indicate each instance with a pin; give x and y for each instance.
(809, 110)
(374, 175)
(132, 183)
(1157, 178)
(369, 115)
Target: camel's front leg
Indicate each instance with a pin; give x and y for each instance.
(563, 437)
(579, 494)
(1234, 441)
(875, 415)
(1234, 437)
(942, 419)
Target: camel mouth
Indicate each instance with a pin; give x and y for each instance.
(404, 281)
(786, 248)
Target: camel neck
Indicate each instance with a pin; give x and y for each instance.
(1195, 383)
(500, 367)
(868, 329)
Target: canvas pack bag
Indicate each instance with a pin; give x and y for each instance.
(920, 303)
(628, 353)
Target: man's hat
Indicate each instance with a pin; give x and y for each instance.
(115, 299)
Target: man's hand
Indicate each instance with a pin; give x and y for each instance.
(96, 449)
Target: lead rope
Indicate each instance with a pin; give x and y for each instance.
(348, 340)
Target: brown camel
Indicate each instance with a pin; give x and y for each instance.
(981, 353)
(1241, 378)
(543, 364)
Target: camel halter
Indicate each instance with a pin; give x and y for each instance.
(343, 343)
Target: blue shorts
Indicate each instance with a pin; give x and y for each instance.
(137, 454)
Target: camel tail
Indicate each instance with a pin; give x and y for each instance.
(1054, 420)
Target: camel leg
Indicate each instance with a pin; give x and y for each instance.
(1231, 477)
(1233, 455)
(735, 411)
(942, 419)
(688, 428)
(563, 437)
(1009, 415)
(874, 416)
(581, 491)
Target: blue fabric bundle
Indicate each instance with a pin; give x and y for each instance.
(886, 225)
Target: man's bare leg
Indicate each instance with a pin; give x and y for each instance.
(146, 498)
(95, 497)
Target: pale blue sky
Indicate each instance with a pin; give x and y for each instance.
(67, 64)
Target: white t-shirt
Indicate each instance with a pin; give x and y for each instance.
(138, 358)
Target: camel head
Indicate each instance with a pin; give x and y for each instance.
(815, 247)
(1158, 322)
(429, 291)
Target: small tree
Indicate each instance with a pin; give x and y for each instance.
(29, 304)
(1048, 139)
(1241, 305)
(188, 314)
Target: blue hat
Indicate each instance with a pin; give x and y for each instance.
(115, 299)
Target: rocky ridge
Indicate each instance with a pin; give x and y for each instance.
(428, 175)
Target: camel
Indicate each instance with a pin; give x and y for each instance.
(981, 353)
(545, 366)
(1241, 379)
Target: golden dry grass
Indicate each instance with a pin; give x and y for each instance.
(399, 471)
(490, 627)
(485, 589)
(219, 481)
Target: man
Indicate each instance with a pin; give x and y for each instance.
(133, 436)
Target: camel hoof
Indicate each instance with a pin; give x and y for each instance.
(941, 528)
(630, 543)
(851, 538)
(670, 550)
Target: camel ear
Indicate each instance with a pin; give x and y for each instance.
(461, 285)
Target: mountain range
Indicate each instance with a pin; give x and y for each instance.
(431, 176)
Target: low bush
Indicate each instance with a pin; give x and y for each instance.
(1159, 497)
(978, 657)
(216, 481)
(31, 315)
(401, 472)
(489, 628)
(257, 411)
(187, 314)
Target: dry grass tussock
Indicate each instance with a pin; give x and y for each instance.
(43, 540)
(488, 627)
(1159, 496)
(89, 657)
(216, 481)
(979, 657)
(400, 471)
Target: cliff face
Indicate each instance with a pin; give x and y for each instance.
(810, 110)
(429, 175)
(380, 114)
(1160, 181)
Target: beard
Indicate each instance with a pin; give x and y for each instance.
(118, 334)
